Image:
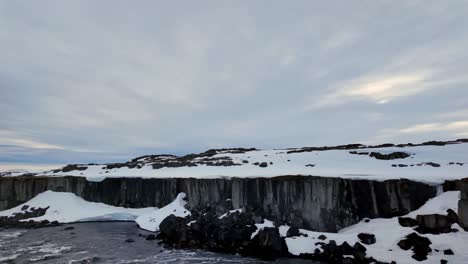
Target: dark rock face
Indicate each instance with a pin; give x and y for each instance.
(434, 224)
(463, 203)
(418, 244)
(315, 203)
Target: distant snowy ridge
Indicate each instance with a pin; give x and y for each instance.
(67, 208)
(432, 162)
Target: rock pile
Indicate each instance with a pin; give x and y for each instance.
(221, 229)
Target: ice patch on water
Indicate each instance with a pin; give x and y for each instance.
(10, 235)
(9, 258)
(47, 251)
(84, 260)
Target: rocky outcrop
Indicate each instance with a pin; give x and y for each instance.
(316, 203)
(418, 244)
(387, 145)
(247, 234)
(16, 220)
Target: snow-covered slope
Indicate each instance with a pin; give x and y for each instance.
(68, 208)
(388, 232)
(428, 162)
(152, 220)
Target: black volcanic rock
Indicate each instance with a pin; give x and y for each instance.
(367, 239)
(418, 244)
(17, 219)
(434, 224)
(72, 167)
(391, 156)
(293, 231)
(407, 222)
(267, 245)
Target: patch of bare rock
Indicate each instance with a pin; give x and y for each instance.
(15, 221)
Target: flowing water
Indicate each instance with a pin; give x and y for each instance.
(101, 243)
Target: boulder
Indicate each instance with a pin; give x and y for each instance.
(322, 237)
(418, 244)
(452, 216)
(268, 244)
(367, 239)
(293, 232)
(407, 222)
(448, 252)
(434, 224)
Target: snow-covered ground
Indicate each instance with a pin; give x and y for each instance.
(152, 220)
(388, 233)
(330, 163)
(69, 208)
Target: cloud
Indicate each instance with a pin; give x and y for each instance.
(433, 127)
(379, 90)
(33, 144)
(107, 80)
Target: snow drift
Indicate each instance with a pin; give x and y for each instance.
(152, 220)
(67, 208)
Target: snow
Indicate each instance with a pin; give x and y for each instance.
(266, 223)
(152, 220)
(231, 212)
(388, 233)
(331, 163)
(68, 208)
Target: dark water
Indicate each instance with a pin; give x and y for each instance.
(101, 243)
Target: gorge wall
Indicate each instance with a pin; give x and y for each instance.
(462, 185)
(316, 203)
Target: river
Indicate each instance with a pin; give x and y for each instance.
(101, 243)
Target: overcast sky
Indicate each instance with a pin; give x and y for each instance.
(84, 81)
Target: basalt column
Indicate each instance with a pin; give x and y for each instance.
(463, 203)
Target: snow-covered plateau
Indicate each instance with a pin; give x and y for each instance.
(432, 162)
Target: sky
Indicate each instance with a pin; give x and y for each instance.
(94, 81)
